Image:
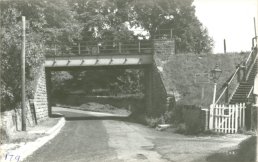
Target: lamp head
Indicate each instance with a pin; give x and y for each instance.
(215, 73)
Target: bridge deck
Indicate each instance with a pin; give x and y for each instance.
(98, 60)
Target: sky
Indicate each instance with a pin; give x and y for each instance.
(232, 20)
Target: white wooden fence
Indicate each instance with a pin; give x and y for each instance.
(227, 118)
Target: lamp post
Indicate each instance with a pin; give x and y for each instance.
(215, 74)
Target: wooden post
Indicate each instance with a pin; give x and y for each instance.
(171, 34)
(255, 28)
(211, 116)
(236, 118)
(23, 105)
(225, 47)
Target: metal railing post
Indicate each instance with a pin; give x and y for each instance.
(238, 74)
(171, 33)
(79, 48)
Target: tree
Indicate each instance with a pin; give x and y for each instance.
(42, 28)
(102, 19)
(179, 15)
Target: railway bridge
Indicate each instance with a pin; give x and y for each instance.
(142, 54)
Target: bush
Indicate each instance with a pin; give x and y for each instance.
(152, 122)
(181, 128)
(188, 119)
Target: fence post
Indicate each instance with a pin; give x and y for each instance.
(232, 118)
(225, 119)
(243, 119)
(206, 119)
(211, 117)
(216, 117)
(236, 118)
(239, 109)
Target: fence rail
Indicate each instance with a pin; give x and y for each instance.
(227, 118)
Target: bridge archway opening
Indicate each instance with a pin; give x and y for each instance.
(101, 85)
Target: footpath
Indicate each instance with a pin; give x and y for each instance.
(24, 144)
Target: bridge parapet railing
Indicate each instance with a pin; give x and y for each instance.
(102, 48)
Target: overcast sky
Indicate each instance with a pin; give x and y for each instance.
(229, 19)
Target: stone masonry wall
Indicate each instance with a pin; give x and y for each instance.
(40, 97)
(161, 99)
(11, 120)
(163, 49)
(159, 94)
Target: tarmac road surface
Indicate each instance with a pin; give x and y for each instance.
(101, 137)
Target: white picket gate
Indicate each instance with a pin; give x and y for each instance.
(227, 118)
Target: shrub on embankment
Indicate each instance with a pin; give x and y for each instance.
(180, 76)
(186, 119)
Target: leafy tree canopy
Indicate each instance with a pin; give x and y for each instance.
(64, 22)
(46, 21)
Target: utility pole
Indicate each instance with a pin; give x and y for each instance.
(23, 75)
(225, 47)
(255, 28)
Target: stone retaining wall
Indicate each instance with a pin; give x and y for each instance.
(161, 98)
(40, 97)
(11, 121)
